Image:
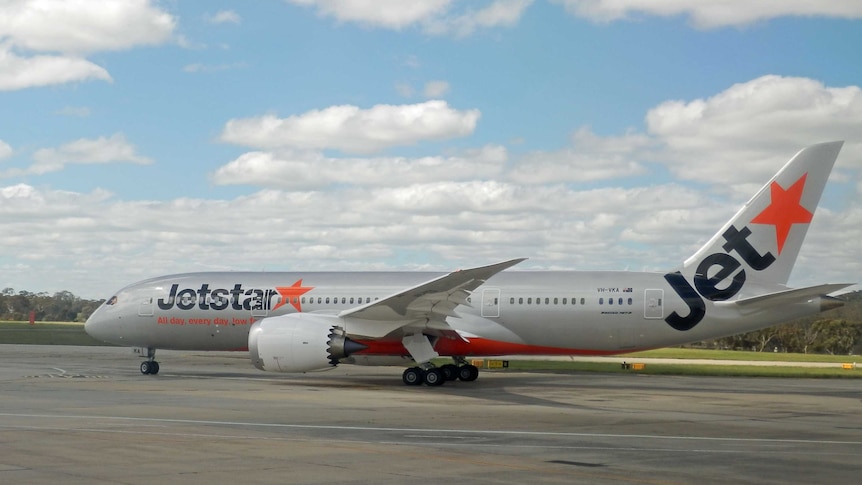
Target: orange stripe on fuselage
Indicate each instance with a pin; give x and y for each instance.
(477, 347)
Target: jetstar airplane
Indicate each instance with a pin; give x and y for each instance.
(306, 321)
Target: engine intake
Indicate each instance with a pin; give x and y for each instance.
(299, 342)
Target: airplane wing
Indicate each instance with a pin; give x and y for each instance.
(427, 304)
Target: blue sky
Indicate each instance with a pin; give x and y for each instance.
(144, 137)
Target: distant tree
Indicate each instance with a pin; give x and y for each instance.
(837, 336)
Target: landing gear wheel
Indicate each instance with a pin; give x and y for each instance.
(450, 371)
(468, 373)
(149, 367)
(434, 377)
(413, 376)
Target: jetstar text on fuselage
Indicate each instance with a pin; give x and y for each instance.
(204, 298)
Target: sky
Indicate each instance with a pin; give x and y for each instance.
(143, 137)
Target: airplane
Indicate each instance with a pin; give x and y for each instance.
(307, 321)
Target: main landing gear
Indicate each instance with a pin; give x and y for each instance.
(436, 376)
(150, 366)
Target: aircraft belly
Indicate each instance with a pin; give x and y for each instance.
(581, 330)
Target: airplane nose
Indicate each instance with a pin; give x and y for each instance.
(96, 325)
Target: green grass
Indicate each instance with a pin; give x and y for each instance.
(676, 353)
(681, 369)
(45, 333)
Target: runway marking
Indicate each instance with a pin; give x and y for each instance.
(481, 432)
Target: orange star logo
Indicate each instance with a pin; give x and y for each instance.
(785, 210)
(291, 294)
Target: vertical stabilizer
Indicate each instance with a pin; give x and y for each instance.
(760, 244)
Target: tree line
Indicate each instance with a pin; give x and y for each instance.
(62, 306)
(838, 331)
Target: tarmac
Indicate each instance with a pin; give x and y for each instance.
(87, 415)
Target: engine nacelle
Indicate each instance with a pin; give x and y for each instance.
(299, 342)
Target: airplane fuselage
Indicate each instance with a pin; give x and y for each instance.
(539, 312)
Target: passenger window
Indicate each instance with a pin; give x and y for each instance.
(620, 301)
(327, 300)
(564, 301)
(583, 301)
(630, 301)
(601, 301)
(520, 301)
(610, 301)
(529, 301)
(547, 301)
(351, 300)
(556, 301)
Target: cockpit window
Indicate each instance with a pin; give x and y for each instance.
(111, 301)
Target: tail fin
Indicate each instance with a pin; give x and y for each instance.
(761, 242)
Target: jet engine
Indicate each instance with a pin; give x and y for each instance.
(299, 342)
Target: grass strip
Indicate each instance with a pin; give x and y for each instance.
(45, 333)
(680, 369)
(678, 353)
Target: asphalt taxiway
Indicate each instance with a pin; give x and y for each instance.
(87, 415)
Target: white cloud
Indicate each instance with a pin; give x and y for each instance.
(500, 13)
(72, 28)
(744, 132)
(24, 72)
(435, 17)
(436, 89)
(448, 224)
(391, 14)
(712, 14)
(5, 150)
(86, 151)
(591, 158)
(441, 224)
(311, 170)
(352, 129)
(224, 17)
(78, 26)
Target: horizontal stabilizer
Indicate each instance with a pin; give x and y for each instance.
(794, 295)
